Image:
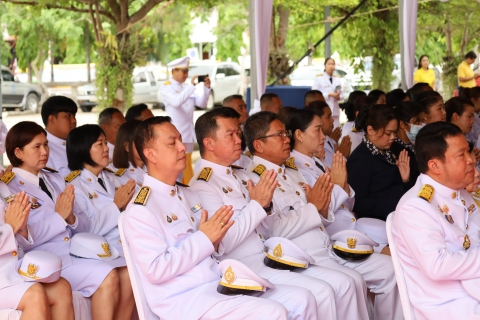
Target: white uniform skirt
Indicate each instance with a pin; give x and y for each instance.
(10, 296)
(86, 275)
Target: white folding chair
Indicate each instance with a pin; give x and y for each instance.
(144, 311)
(399, 275)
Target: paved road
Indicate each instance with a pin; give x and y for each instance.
(12, 118)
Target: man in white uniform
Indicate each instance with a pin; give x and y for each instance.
(435, 231)
(217, 132)
(295, 201)
(180, 100)
(58, 116)
(110, 120)
(172, 245)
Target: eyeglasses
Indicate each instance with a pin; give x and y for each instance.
(282, 134)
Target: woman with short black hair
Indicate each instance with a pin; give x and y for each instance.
(378, 177)
(53, 219)
(125, 156)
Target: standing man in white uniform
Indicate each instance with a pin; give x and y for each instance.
(437, 241)
(172, 248)
(331, 88)
(58, 116)
(110, 120)
(180, 100)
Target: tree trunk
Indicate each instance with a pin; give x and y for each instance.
(283, 15)
(87, 50)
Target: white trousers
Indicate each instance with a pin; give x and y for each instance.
(349, 288)
(379, 276)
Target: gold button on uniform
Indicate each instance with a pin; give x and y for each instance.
(284, 177)
(353, 219)
(279, 170)
(454, 195)
(172, 193)
(193, 220)
(321, 228)
(463, 202)
(228, 171)
(66, 238)
(119, 241)
(342, 206)
(89, 180)
(180, 198)
(14, 253)
(298, 193)
(22, 183)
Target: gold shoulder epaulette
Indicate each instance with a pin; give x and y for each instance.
(166, 83)
(142, 195)
(290, 163)
(182, 184)
(320, 74)
(108, 169)
(205, 174)
(236, 167)
(72, 175)
(259, 169)
(7, 177)
(336, 75)
(354, 130)
(426, 192)
(120, 172)
(248, 154)
(50, 169)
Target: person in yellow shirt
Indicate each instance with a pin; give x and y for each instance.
(466, 76)
(424, 74)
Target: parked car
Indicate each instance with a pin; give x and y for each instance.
(305, 76)
(145, 88)
(15, 94)
(224, 76)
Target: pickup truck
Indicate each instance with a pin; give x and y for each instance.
(145, 88)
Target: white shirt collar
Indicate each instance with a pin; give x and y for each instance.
(29, 177)
(55, 140)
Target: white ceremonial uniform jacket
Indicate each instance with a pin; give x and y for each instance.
(227, 186)
(322, 83)
(431, 250)
(58, 154)
(356, 138)
(172, 258)
(111, 149)
(96, 205)
(122, 175)
(47, 227)
(341, 202)
(329, 147)
(8, 256)
(296, 219)
(180, 100)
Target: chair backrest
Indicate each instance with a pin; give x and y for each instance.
(399, 275)
(144, 311)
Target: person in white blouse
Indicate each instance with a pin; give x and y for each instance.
(331, 88)
(52, 221)
(110, 120)
(125, 158)
(35, 300)
(58, 116)
(435, 228)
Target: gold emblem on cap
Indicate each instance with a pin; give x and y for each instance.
(32, 270)
(106, 250)
(278, 251)
(352, 243)
(466, 242)
(426, 192)
(229, 275)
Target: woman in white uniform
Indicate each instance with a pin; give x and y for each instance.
(99, 198)
(52, 221)
(331, 88)
(125, 156)
(35, 300)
